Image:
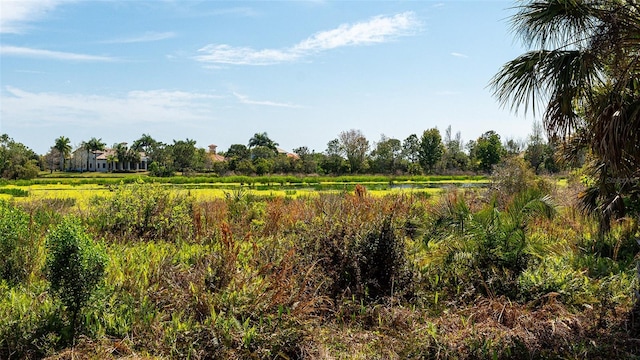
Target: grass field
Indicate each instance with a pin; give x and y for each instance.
(319, 270)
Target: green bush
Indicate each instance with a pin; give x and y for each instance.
(17, 251)
(144, 211)
(75, 266)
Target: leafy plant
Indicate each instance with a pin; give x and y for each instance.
(75, 266)
(17, 250)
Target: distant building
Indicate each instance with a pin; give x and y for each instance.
(214, 155)
(288, 154)
(104, 161)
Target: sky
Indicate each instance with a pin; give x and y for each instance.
(218, 72)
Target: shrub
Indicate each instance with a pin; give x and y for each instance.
(75, 266)
(17, 251)
(144, 211)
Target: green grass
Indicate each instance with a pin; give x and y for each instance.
(256, 271)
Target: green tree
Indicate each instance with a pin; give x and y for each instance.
(583, 70)
(262, 139)
(454, 157)
(333, 162)
(92, 146)
(184, 154)
(431, 149)
(63, 145)
(411, 149)
(487, 151)
(16, 160)
(236, 154)
(306, 163)
(387, 155)
(75, 267)
(354, 145)
(536, 146)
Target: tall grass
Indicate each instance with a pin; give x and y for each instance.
(337, 275)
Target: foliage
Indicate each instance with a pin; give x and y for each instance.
(487, 248)
(387, 156)
(75, 266)
(16, 160)
(354, 146)
(145, 212)
(431, 149)
(62, 144)
(17, 248)
(340, 274)
(583, 70)
(486, 151)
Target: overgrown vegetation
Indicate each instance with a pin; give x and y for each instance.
(474, 273)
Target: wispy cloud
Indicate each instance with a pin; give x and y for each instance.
(459, 55)
(8, 50)
(376, 30)
(245, 100)
(22, 108)
(15, 15)
(146, 37)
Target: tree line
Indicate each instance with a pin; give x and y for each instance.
(349, 153)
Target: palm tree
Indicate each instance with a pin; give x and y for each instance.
(63, 145)
(112, 159)
(584, 69)
(92, 146)
(262, 139)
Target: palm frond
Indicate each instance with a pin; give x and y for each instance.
(554, 23)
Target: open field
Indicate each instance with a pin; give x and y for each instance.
(82, 187)
(233, 271)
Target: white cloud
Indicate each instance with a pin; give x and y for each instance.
(459, 55)
(8, 50)
(22, 108)
(146, 37)
(245, 100)
(225, 54)
(16, 14)
(376, 30)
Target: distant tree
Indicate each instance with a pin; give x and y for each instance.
(536, 146)
(63, 145)
(411, 149)
(354, 145)
(453, 158)
(262, 152)
(52, 159)
(387, 155)
(145, 144)
(513, 147)
(431, 149)
(333, 162)
(112, 160)
(16, 160)
(92, 146)
(262, 139)
(306, 162)
(121, 153)
(184, 154)
(488, 151)
(236, 154)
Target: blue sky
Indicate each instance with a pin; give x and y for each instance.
(219, 72)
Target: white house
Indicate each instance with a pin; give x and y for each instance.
(104, 161)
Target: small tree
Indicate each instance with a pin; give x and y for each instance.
(75, 266)
(431, 149)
